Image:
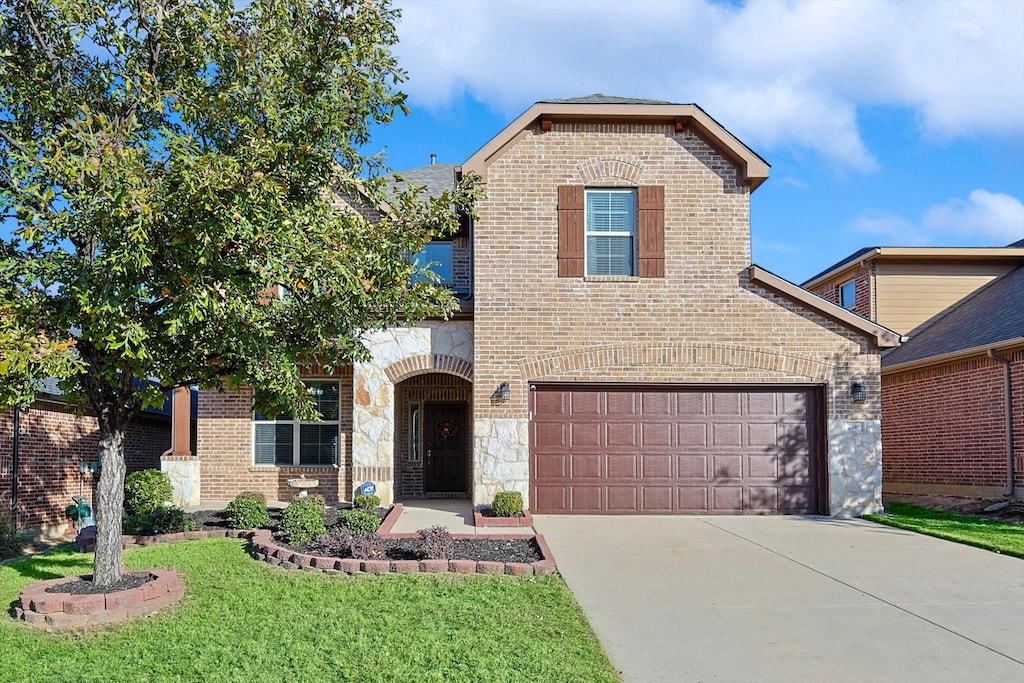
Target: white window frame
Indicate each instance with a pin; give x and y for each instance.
(842, 289)
(631, 234)
(297, 433)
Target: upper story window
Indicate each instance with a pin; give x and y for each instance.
(611, 232)
(281, 440)
(848, 294)
(438, 257)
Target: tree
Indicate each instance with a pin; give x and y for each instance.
(164, 165)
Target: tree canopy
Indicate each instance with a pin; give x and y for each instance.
(166, 166)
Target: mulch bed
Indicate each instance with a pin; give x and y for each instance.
(83, 585)
(480, 549)
(1012, 513)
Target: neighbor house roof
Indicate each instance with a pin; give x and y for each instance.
(883, 336)
(607, 107)
(990, 318)
(1014, 251)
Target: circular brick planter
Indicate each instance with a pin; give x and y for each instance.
(62, 611)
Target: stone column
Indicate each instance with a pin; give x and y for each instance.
(373, 430)
(855, 467)
(181, 466)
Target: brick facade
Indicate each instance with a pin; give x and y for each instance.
(54, 441)
(704, 322)
(224, 445)
(863, 275)
(943, 427)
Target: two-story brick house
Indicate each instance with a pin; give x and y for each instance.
(617, 352)
(953, 393)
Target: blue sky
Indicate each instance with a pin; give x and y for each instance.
(886, 123)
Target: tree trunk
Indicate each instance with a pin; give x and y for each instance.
(108, 504)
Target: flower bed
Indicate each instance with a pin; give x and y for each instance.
(266, 549)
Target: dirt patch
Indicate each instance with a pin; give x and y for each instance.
(1012, 513)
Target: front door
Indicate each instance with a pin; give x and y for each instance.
(444, 448)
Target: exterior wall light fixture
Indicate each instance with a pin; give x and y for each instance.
(858, 393)
(504, 391)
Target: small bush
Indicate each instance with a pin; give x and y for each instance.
(165, 520)
(338, 543)
(507, 504)
(10, 544)
(367, 547)
(248, 511)
(303, 520)
(359, 522)
(436, 543)
(146, 491)
(364, 502)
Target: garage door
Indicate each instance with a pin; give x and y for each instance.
(728, 450)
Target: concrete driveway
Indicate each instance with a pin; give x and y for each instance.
(790, 599)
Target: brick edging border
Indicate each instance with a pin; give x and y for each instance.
(266, 550)
(480, 520)
(64, 611)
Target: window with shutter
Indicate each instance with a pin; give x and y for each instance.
(611, 232)
(280, 440)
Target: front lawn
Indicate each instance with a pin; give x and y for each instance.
(246, 621)
(1000, 537)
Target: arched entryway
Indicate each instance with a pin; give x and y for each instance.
(433, 437)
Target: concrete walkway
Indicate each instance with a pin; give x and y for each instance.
(790, 599)
(457, 515)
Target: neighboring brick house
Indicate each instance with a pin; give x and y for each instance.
(953, 393)
(53, 445)
(616, 351)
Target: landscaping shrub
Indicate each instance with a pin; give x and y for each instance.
(146, 491)
(10, 545)
(364, 502)
(436, 543)
(507, 504)
(164, 520)
(367, 547)
(303, 520)
(248, 511)
(359, 522)
(338, 543)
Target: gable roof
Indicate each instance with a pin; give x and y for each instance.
(605, 107)
(1013, 251)
(883, 336)
(990, 316)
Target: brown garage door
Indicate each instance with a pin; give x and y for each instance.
(729, 450)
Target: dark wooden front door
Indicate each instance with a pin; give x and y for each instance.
(444, 448)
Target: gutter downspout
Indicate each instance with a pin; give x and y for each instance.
(1010, 474)
(16, 446)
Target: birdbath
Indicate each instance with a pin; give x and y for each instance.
(303, 484)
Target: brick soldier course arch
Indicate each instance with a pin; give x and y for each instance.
(635, 355)
(629, 170)
(426, 363)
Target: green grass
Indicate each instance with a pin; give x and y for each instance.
(1000, 537)
(243, 620)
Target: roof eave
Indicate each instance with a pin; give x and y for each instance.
(755, 169)
(921, 254)
(943, 358)
(883, 336)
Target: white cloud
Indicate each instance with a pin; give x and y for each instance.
(985, 214)
(985, 217)
(774, 73)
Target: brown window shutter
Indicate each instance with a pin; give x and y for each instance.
(651, 231)
(571, 233)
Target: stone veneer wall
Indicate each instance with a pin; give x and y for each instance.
(396, 354)
(704, 322)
